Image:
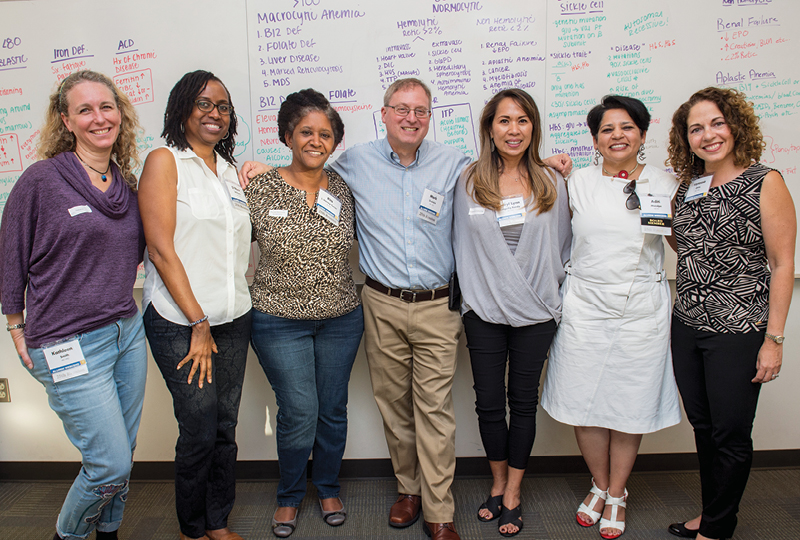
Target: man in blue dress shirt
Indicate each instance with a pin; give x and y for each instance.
(403, 188)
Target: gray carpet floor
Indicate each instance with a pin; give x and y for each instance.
(770, 509)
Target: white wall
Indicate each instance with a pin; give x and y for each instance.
(30, 431)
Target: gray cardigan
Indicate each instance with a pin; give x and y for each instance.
(501, 288)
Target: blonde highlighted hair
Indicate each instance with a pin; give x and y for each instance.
(55, 138)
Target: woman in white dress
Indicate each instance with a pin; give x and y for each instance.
(610, 369)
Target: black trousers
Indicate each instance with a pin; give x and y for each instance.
(205, 454)
(524, 350)
(713, 371)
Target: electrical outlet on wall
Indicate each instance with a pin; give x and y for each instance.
(5, 393)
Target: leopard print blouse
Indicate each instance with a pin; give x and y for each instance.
(303, 272)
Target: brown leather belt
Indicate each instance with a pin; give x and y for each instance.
(408, 295)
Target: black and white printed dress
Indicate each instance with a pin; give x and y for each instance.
(723, 279)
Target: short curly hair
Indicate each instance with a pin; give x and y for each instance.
(297, 105)
(748, 142)
(180, 105)
(55, 138)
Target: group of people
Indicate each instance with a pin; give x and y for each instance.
(546, 267)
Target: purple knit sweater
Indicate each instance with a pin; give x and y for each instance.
(78, 266)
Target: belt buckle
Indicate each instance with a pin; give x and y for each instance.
(413, 294)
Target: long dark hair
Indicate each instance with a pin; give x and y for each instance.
(484, 175)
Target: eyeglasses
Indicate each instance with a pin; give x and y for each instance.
(402, 110)
(206, 106)
(632, 203)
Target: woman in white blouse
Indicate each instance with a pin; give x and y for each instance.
(197, 305)
(511, 238)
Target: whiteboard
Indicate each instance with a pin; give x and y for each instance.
(566, 54)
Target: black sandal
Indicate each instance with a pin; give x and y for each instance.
(510, 517)
(493, 505)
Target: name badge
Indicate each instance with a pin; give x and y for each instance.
(278, 213)
(656, 214)
(65, 360)
(328, 206)
(77, 210)
(698, 188)
(430, 206)
(513, 211)
(237, 196)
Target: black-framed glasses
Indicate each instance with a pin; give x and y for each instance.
(633, 202)
(402, 110)
(208, 106)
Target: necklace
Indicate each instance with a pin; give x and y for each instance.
(103, 176)
(623, 173)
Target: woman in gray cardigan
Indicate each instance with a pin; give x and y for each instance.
(511, 239)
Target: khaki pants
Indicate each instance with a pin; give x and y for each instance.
(411, 351)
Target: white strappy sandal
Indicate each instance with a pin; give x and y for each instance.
(589, 510)
(616, 503)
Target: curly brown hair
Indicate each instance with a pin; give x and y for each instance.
(748, 143)
(55, 138)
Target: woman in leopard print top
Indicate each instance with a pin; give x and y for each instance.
(307, 318)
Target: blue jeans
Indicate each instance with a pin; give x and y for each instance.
(101, 412)
(205, 454)
(308, 364)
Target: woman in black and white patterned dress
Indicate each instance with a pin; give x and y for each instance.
(735, 228)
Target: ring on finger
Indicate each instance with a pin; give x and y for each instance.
(774, 376)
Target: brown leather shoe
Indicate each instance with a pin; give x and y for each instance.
(441, 531)
(405, 511)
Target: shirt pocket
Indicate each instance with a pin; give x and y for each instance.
(203, 203)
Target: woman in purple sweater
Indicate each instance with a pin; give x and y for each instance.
(70, 242)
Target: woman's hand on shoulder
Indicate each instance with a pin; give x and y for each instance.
(250, 169)
(560, 162)
(200, 349)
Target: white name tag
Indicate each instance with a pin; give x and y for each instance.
(513, 211)
(656, 214)
(278, 213)
(477, 211)
(430, 206)
(237, 196)
(328, 206)
(65, 360)
(698, 188)
(76, 210)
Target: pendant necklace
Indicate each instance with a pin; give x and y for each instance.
(103, 176)
(623, 173)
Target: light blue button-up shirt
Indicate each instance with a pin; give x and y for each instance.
(395, 246)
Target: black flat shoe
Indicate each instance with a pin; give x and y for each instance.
(679, 529)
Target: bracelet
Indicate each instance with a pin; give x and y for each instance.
(10, 327)
(198, 321)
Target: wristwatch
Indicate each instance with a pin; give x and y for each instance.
(776, 339)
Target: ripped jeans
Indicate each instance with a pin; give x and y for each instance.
(100, 412)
